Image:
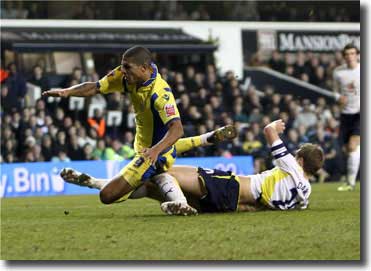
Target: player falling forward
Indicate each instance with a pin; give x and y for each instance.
(348, 94)
(284, 187)
(158, 126)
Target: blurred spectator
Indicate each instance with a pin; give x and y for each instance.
(98, 123)
(21, 12)
(276, 62)
(3, 74)
(251, 145)
(39, 79)
(74, 151)
(61, 157)
(332, 150)
(83, 138)
(299, 67)
(77, 77)
(61, 142)
(112, 153)
(35, 11)
(306, 117)
(8, 10)
(16, 89)
(293, 140)
(88, 152)
(239, 115)
(47, 147)
(127, 150)
(59, 117)
(99, 152)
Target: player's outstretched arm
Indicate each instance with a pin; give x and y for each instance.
(272, 131)
(81, 90)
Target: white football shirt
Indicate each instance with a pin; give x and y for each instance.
(283, 187)
(347, 82)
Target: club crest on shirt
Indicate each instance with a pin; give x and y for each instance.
(351, 87)
(169, 109)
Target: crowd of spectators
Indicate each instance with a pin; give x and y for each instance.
(347, 11)
(50, 131)
(306, 66)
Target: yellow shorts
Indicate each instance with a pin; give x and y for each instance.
(140, 169)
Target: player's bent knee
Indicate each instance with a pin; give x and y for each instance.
(106, 197)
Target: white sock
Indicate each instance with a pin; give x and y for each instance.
(169, 187)
(353, 166)
(98, 183)
(204, 138)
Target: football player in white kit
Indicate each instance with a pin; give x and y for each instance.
(284, 187)
(347, 88)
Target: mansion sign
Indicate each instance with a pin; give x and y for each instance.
(315, 41)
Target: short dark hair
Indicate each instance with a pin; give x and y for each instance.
(313, 157)
(348, 47)
(139, 54)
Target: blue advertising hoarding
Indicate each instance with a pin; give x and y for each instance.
(42, 179)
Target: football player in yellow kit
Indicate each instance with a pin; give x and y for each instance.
(158, 126)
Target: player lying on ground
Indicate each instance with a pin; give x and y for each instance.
(284, 187)
(165, 186)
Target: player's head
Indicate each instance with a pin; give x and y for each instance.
(136, 64)
(350, 53)
(310, 157)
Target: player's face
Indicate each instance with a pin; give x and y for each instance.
(350, 56)
(133, 72)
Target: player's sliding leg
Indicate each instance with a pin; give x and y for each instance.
(114, 190)
(73, 176)
(149, 190)
(189, 183)
(170, 192)
(214, 137)
(82, 179)
(175, 201)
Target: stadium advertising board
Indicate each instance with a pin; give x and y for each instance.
(292, 41)
(42, 179)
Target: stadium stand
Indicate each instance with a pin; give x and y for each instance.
(51, 131)
(267, 11)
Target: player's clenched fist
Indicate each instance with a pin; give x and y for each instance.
(279, 126)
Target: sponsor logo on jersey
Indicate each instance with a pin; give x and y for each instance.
(169, 109)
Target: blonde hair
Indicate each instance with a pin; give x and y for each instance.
(313, 157)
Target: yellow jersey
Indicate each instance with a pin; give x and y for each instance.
(154, 105)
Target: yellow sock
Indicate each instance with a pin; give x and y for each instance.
(188, 143)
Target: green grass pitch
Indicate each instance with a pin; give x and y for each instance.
(81, 228)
